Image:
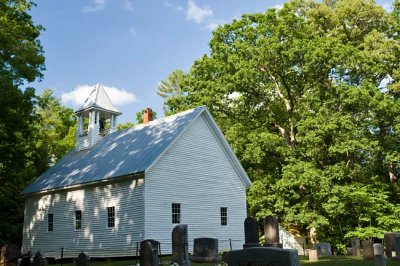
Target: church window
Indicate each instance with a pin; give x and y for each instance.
(78, 220)
(50, 222)
(111, 216)
(176, 213)
(224, 216)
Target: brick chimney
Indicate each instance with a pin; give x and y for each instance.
(147, 115)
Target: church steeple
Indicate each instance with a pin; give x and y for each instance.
(97, 117)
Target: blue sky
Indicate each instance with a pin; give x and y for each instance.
(128, 45)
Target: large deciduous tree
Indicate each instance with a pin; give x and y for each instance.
(308, 96)
(21, 62)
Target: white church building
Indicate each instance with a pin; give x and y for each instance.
(117, 188)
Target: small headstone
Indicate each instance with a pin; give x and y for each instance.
(349, 251)
(154, 243)
(324, 249)
(26, 259)
(250, 233)
(148, 255)
(39, 260)
(82, 259)
(356, 246)
(389, 243)
(313, 255)
(205, 249)
(378, 249)
(180, 245)
(263, 256)
(368, 249)
(271, 232)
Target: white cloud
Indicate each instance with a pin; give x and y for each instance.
(98, 6)
(212, 25)
(196, 13)
(278, 7)
(128, 5)
(79, 94)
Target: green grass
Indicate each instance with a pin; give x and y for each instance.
(326, 261)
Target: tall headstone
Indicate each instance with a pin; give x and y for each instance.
(82, 259)
(180, 245)
(355, 246)
(205, 249)
(39, 260)
(397, 246)
(259, 256)
(389, 243)
(148, 255)
(368, 249)
(271, 232)
(379, 259)
(251, 233)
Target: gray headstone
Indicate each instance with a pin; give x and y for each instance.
(324, 249)
(378, 249)
(368, 249)
(271, 230)
(250, 233)
(82, 259)
(356, 246)
(148, 255)
(205, 249)
(39, 260)
(180, 245)
(263, 256)
(389, 243)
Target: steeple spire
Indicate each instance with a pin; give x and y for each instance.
(97, 118)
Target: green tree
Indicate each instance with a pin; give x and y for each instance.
(21, 62)
(125, 125)
(56, 127)
(299, 93)
(174, 92)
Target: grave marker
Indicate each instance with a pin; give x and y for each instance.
(205, 250)
(263, 256)
(251, 233)
(180, 245)
(82, 259)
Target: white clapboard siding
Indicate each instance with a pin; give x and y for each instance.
(196, 173)
(95, 237)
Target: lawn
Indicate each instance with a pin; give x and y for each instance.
(327, 261)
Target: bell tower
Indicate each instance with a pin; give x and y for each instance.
(97, 118)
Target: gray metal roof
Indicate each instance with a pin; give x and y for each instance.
(98, 99)
(118, 154)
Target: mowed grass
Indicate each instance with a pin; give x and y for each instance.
(326, 261)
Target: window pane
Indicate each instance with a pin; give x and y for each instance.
(224, 216)
(78, 220)
(111, 216)
(176, 213)
(50, 222)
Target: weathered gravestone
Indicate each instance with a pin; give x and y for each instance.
(313, 255)
(180, 245)
(355, 246)
(250, 233)
(379, 259)
(263, 256)
(324, 249)
(205, 250)
(82, 259)
(271, 232)
(148, 255)
(154, 243)
(368, 249)
(389, 243)
(39, 260)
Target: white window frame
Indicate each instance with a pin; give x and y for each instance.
(176, 213)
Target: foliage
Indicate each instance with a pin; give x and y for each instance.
(308, 97)
(139, 116)
(56, 127)
(125, 125)
(21, 61)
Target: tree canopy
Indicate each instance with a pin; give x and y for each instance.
(308, 97)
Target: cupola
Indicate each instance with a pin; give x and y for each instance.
(97, 118)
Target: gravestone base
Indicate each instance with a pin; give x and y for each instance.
(380, 260)
(251, 245)
(273, 245)
(263, 256)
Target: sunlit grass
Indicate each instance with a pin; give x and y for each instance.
(326, 261)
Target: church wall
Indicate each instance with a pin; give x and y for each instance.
(94, 237)
(196, 173)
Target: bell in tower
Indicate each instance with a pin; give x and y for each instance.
(97, 118)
